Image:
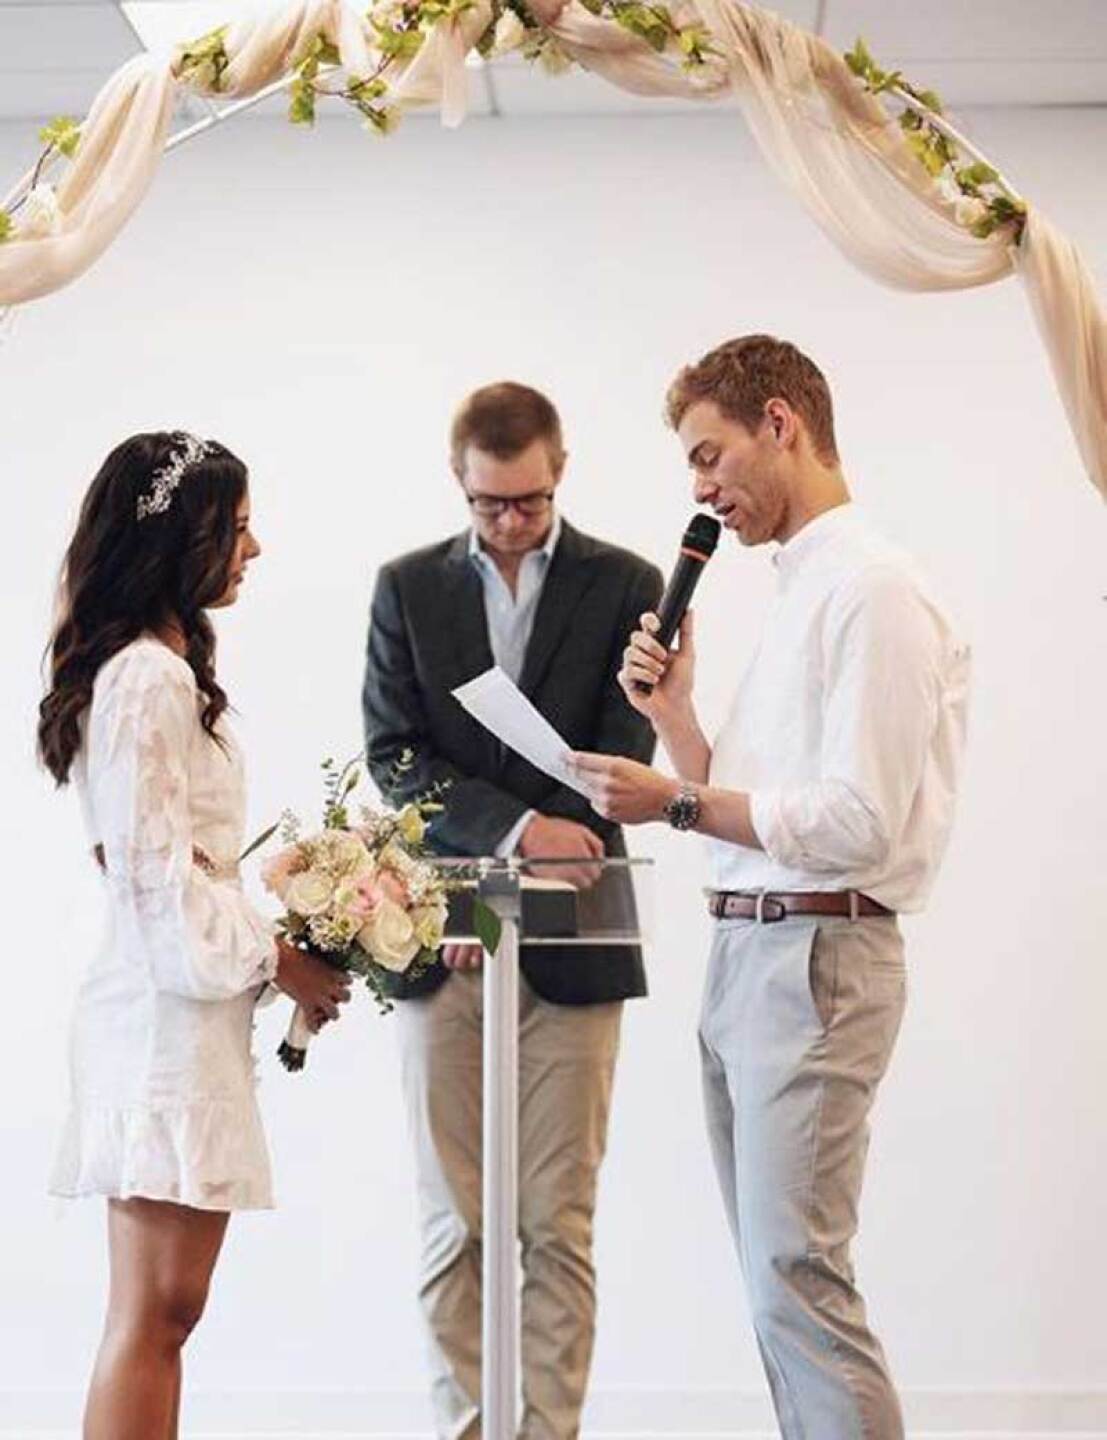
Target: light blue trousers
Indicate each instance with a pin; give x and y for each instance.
(798, 1025)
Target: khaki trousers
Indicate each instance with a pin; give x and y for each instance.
(799, 1020)
(566, 1069)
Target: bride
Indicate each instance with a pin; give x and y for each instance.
(163, 1119)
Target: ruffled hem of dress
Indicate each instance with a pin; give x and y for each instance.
(209, 1155)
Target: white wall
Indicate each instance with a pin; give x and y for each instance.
(319, 301)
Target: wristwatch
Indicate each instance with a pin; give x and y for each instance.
(683, 810)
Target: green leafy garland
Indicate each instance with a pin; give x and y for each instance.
(401, 28)
(939, 156)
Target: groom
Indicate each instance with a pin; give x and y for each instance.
(828, 797)
(521, 588)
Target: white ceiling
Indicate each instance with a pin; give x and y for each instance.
(54, 54)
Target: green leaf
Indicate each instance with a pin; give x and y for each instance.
(975, 175)
(63, 133)
(205, 60)
(859, 60)
(7, 227)
(1004, 208)
(651, 23)
(923, 144)
(301, 105)
(488, 925)
(695, 44)
(398, 44)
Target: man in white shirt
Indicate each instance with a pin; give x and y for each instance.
(828, 799)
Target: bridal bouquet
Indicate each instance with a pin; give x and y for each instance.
(359, 893)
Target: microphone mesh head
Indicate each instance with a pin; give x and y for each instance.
(703, 533)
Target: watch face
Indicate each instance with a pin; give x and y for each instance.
(683, 810)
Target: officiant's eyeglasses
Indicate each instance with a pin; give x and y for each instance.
(491, 506)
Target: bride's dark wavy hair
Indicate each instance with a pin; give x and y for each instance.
(123, 577)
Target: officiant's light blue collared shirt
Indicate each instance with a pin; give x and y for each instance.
(511, 623)
(511, 617)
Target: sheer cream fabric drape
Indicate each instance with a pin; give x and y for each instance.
(832, 143)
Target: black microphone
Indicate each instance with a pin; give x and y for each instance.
(696, 549)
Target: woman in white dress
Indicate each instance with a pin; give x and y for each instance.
(163, 1119)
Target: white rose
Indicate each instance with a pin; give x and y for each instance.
(389, 937)
(395, 857)
(41, 215)
(345, 851)
(309, 893)
(510, 33)
(430, 925)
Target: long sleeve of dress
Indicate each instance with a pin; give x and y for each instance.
(196, 934)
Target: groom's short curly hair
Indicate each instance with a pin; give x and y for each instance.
(503, 420)
(741, 376)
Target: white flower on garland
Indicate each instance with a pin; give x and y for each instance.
(968, 210)
(509, 35)
(41, 214)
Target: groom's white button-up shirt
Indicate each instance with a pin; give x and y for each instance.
(848, 727)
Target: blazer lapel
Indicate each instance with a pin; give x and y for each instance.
(568, 578)
(463, 613)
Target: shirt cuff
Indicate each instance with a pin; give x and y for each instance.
(509, 845)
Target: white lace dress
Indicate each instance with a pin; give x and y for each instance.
(163, 1085)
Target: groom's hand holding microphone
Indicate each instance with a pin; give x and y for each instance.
(657, 682)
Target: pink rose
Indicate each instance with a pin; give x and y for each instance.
(393, 888)
(277, 873)
(369, 893)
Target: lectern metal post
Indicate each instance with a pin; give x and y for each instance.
(499, 889)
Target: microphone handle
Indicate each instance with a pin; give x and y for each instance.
(674, 604)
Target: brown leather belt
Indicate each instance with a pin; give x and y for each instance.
(769, 906)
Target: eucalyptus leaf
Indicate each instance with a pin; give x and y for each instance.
(263, 839)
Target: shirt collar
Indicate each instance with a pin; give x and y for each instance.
(546, 550)
(817, 533)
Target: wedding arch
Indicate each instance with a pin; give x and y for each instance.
(904, 195)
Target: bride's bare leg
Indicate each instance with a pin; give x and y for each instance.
(175, 1414)
(162, 1257)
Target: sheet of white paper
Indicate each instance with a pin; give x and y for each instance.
(500, 706)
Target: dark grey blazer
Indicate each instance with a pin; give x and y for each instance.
(428, 634)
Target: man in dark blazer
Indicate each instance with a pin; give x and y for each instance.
(521, 588)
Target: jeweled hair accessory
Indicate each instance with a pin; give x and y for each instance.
(157, 500)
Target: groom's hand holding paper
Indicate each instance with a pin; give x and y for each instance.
(624, 790)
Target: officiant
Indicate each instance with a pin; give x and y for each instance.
(520, 588)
